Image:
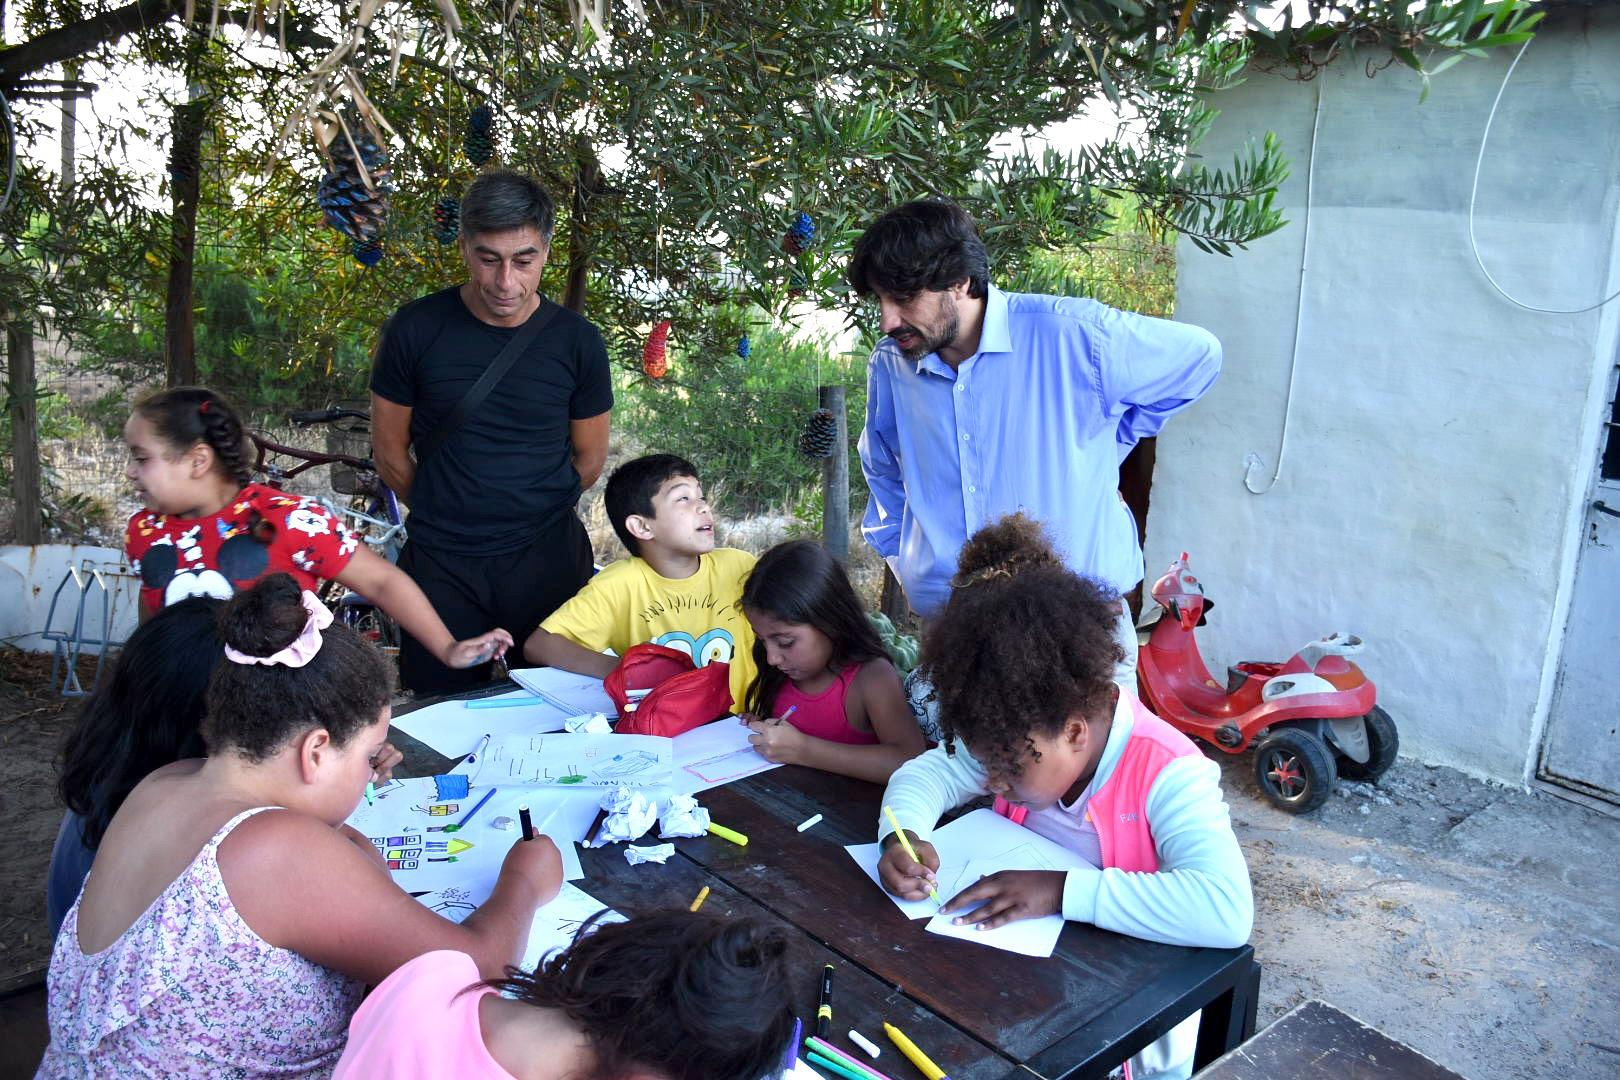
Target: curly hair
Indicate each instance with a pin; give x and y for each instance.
(1023, 644)
(256, 709)
(690, 995)
(925, 244)
(184, 416)
(800, 582)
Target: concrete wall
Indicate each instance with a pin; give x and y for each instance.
(30, 578)
(1440, 439)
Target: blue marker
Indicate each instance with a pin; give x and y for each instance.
(462, 824)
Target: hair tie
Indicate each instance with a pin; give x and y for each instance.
(986, 574)
(303, 647)
(202, 410)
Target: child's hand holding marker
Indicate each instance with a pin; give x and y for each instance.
(538, 863)
(776, 740)
(907, 867)
(1009, 895)
(382, 765)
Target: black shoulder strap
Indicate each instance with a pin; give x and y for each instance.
(493, 374)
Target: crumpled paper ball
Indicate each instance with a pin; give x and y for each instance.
(629, 815)
(684, 817)
(588, 724)
(653, 853)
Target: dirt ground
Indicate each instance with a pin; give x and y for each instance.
(1478, 923)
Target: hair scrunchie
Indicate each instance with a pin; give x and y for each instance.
(303, 648)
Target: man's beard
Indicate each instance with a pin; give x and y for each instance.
(927, 343)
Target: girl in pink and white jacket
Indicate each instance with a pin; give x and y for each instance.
(1022, 661)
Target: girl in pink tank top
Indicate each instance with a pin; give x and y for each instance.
(826, 694)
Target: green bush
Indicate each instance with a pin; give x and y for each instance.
(738, 419)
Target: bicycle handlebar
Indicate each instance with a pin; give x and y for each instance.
(309, 458)
(327, 416)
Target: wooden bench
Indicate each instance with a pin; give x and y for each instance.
(1315, 1041)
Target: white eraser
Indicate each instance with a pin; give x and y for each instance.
(864, 1043)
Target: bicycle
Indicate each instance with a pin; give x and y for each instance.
(372, 509)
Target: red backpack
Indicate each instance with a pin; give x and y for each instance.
(680, 695)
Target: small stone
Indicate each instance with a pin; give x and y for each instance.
(503, 823)
(1364, 809)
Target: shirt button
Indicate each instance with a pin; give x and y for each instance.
(965, 436)
(972, 488)
(960, 388)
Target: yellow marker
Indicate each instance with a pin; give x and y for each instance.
(703, 894)
(729, 834)
(916, 1056)
(905, 843)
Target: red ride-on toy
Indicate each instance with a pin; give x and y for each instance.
(1310, 719)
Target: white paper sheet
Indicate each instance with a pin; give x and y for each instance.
(408, 825)
(554, 926)
(1031, 937)
(453, 729)
(973, 845)
(567, 759)
(570, 692)
(714, 754)
(867, 856)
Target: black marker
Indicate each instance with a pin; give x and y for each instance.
(524, 822)
(824, 1012)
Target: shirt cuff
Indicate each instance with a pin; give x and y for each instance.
(1080, 890)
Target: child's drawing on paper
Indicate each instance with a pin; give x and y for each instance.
(575, 759)
(722, 768)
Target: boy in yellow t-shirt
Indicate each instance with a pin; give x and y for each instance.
(676, 588)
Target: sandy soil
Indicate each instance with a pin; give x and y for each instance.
(1475, 922)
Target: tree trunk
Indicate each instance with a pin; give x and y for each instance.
(587, 185)
(892, 601)
(23, 395)
(185, 156)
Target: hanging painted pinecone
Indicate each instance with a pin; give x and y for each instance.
(479, 141)
(800, 235)
(653, 358)
(797, 285)
(820, 434)
(446, 219)
(352, 205)
(368, 252)
(744, 347)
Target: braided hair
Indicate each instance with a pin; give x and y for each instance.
(184, 416)
(1023, 644)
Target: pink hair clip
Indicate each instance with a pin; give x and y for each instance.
(303, 647)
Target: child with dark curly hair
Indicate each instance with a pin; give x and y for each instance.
(1022, 659)
(677, 995)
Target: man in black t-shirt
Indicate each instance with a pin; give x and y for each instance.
(494, 539)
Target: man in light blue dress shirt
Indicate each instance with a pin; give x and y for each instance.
(982, 402)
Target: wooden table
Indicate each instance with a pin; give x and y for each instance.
(979, 1012)
(1315, 1041)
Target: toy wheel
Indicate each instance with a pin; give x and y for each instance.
(1382, 743)
(1294, 770)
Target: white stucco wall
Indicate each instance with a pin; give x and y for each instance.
(1440, 439)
